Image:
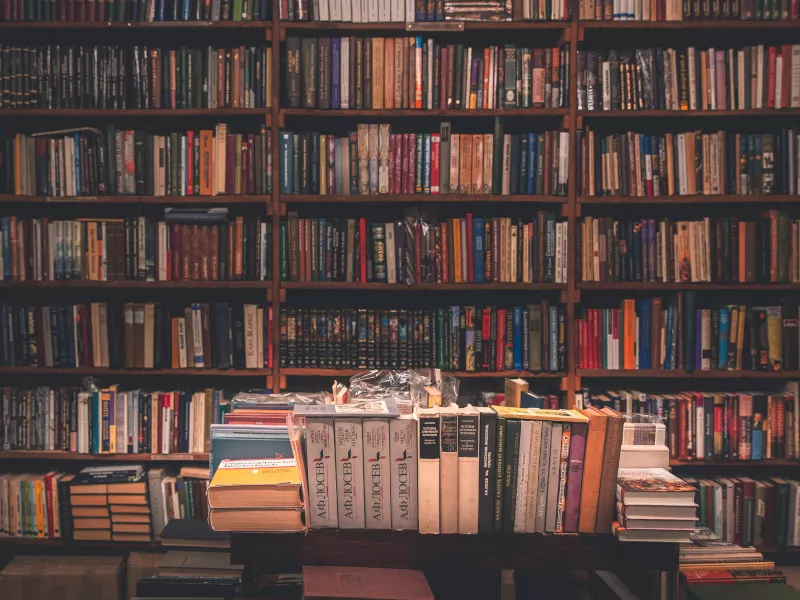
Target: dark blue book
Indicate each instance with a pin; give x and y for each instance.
(336, 90)
(689, 324)
(287, 150)
(530, 186)
(479, 243)
(517, 338)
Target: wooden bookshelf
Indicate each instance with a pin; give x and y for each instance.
(661, 114)
(122, 285)
(735, 464)
(71, 456)
(681, 25)
(423, 287)
(134, 199)
(435, 113)
(464, 374)
(623, 286)
(683, 374)
(693, 199)
(108, 372)
(139, 113)
(136, 25)
(417, 199)
(423, 28)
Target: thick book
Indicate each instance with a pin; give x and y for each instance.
(652, 486)
(428, 469)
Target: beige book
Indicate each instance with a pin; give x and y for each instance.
(428, 469)
(398, 73)
(388, 73)
(250, 335)
(455, 148)
(465, 166)
(488, 157)
(448, 470)
(477, 165)
(513, 391)
(377, 73)
(468, 469)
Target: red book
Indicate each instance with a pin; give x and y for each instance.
(190, 163)
(70, 8)
(615, 325)
(80, 10)
(48, 493)
(397, 163)
(410, 153)
(773, 55)
(733, 422)
(582, 344)
(91, 7)
(435, 149)
(795, 10)
(486, 333)
(362, 249)
(470, 249)
(501, 339)
(683, 405)
(738, 501)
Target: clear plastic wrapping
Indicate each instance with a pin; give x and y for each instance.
(406, 388)
(254, 399)
(420, 246)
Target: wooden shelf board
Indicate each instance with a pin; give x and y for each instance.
(660, 114)
(511, 112)
(681, 374)
(158, 285)
(769, 462)
(103, 371)
(468, 26)
(416, 198)
(634, 286)
(27, 542)
(411, 550)
(147, 25)
(132, 199)
(693, 199)
(427, 287)
(463, 374)
(589, 25)
(18, 113)
(58, 455)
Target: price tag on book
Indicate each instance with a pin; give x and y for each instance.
(436, 26)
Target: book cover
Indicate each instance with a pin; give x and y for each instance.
(321, 458)
(378, 505)
(349, 473)
(403, 458)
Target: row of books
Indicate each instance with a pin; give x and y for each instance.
(407, 73)
(671, 334)
(373, 160)
(109, 420)
(468, 338)
(750, 77)
(749, 511)
(384, 11)
(687, 163)
(478, 470)
(735, 425)
(712, 249)
(137, 249)
(91, 162)
(139, 11)
(135, 77)
(696, 10)
(151, 335)
(35, 506)
(417, 250)
(184, 495)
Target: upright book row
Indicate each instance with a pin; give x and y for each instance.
(90, 162)
(689, 10)
(467, 338)
(464, 470)
(420, 250)
(137, 249)
(150, 335)
(416, 73)
(109, 420)
(374, 160)
(140, 11)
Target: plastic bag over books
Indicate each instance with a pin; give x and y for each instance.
(261, 399)
(407, 388)
(419, 247)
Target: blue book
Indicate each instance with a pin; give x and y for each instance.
(455, 337)
(724, 334)
(698, 340)
(185, 10)
(517, 338)
(336, 92)
(531, 184)
(531, 400)
(77, 165)
(159, 16)
(286, 162)
(96, 424)
(478, 233)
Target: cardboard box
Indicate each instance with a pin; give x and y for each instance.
(62, 578)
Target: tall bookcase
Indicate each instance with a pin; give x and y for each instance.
(574, 32)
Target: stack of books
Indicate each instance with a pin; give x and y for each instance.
(707, 559)
(653, 505)
(111, 502)
(257, 495)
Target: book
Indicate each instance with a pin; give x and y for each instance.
(428, 469)
(652, 486)
(327, 583)
(273, 483)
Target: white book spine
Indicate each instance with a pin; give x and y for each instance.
(377, 502)
(534, 456)
(403, 484)
(320, 455)
(523, 474)
(349, 473)
(345, 76)
(384, 11)
(778, 81)
(429, 434)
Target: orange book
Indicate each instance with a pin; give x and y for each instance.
(239, 242)
(477, 164)
(445, 270)
(175, 346)
(592, 469)
(742, 251)
(629, 327)
(456, 251)
(486, 62)
(388, 73)
(206, 163)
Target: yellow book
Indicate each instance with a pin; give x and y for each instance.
(261, 483)
(541, 414)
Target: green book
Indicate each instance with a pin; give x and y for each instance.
(237, 10)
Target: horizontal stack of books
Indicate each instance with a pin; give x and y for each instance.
(467, 338)
(687, 163)
(748, 511)
(90, 162)
(329, 73)
(76, 77)
(671, 333)
(745, 78)
(200, 336)
(110, 420)
(708, 560)
(140, 11)
(653, 505)
(706, 250)
(374, 160)
(422, 250)
(196, 246)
